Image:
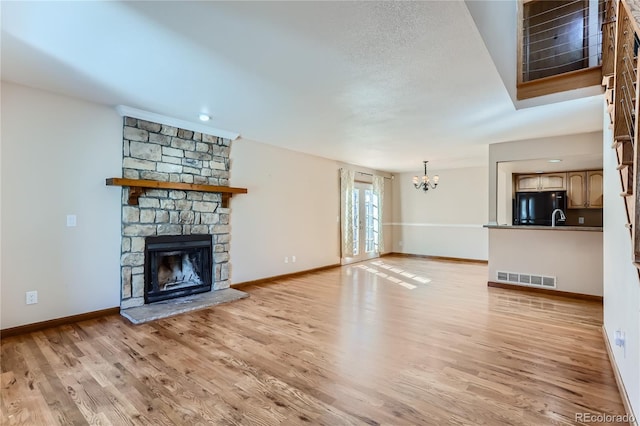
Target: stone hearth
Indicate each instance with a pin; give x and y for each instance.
(167, 308)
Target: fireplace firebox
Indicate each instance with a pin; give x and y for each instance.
(177, 265)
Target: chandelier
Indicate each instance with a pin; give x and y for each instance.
(424, 183)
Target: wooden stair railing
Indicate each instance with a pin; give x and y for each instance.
(620, 32)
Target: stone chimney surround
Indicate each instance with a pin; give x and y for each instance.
(162, 153)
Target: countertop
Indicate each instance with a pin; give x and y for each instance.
(547, 228)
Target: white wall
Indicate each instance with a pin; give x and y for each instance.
(504, 195)
(446, 221)
(291, 209)
(497, 22)
(621, 286)
(56, 154)
(573, 257)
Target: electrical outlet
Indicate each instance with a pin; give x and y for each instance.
(286, 259)
(581, 220)
(31, 297)
(293, 259)
(621, 341)
(71, 220)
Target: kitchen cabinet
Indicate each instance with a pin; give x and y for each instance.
(541, 182)
(594, 189)
(553, 181)
(585, 190)
(576, 191)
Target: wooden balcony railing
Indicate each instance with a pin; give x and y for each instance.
(560, 46)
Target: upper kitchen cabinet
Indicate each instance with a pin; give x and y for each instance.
(577, 197)
(553, 181)
(585, 190)
(594, 189)
(541, 182)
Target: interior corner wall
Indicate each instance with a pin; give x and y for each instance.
(621, 285)
(292, 209)
(532, 149)
(447, 221)
(56, 153)
(496, 22)
(505, 193)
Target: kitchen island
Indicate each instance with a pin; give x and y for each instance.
(569, 257)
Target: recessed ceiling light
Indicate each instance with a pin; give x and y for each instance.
(555, 161)
(204, 117)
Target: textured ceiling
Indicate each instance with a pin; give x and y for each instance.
(378, 84)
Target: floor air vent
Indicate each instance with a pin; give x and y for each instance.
(526, 279)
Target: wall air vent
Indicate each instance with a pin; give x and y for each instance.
(526, 279)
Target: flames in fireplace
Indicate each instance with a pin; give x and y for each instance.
(177, 265)
(176, 270)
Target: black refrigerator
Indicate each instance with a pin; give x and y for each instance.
(535, 208)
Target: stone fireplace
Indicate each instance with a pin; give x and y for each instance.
(157, 152)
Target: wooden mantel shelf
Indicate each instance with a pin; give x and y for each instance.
(138, 186)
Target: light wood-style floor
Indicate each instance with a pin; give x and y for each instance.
(350, 345)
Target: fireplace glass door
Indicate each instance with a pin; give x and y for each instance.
(176, 266)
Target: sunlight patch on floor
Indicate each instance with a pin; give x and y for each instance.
(393, 279)
(418, 278)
